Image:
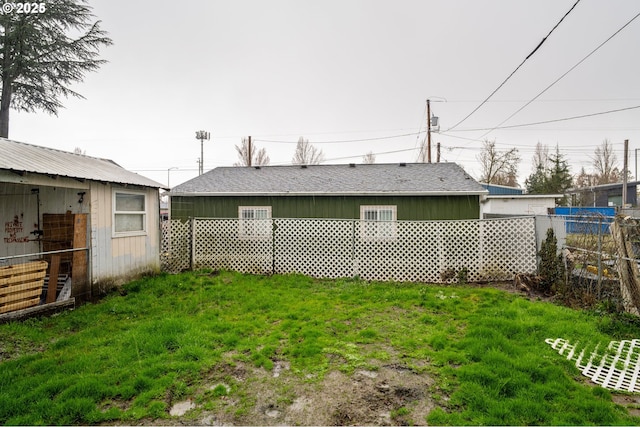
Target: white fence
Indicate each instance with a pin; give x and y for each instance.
(423, 251)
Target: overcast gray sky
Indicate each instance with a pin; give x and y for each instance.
(352, 77)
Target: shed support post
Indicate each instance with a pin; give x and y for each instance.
(273, 246)
(354, 262)
(193, 243)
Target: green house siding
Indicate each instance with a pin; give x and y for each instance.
(343, 207)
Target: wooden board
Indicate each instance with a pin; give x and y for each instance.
(33, 292)
(58, 235)
(19, 278)
(17, 269)
(21, 285)
(53, 272)
(79, 264)
(64, 232)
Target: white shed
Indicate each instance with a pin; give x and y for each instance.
(512, 205)
(100, 221)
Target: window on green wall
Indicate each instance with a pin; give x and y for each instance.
(378, 222)
(254, 222)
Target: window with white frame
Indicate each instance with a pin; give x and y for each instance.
(379, 222)
(255, 221)
(129, 213)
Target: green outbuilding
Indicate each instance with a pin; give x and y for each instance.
(404, 191)
(378, 192)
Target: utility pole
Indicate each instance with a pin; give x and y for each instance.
(202, 135)
(432, 126)
(250, 154)
(625, 173)
(428, 132)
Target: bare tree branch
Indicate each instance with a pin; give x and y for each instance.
(306, 154)
(605, 164)
(498, 167)
(369, 158)
(251, 157)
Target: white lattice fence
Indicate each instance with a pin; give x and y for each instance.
(315, 247)
(175, 252)
(232, 244)
(508, 247)
(427, 251)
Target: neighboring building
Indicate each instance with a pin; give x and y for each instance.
(504, 201)
(514, 205)
(606, 195)
(405, 191)
(55, 200)
(502, 190)
(164, 207)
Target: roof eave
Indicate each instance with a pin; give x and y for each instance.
(324, 193)
(25, 172)
(525, 196)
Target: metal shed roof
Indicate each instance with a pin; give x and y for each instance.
(21, 157)
(346, 179)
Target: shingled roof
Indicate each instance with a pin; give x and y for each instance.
(26, 158)
(346, 179)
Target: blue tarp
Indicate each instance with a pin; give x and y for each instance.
(587, 220)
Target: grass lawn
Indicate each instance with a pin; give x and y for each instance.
(246, 349)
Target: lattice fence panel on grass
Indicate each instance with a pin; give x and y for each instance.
(446, 251)
(314, 247)
(459, 259)
(175, 254)
(243, 245)
(401, 251)
(507, 248)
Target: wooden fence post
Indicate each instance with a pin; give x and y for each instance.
(627, 266)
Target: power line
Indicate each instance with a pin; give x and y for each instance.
(563, 75)
(354, 156)
(345, 140)
(517, 68)
(551, 121)
(461, 101)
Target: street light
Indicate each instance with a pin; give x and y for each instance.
(169, 170)
(202, 135)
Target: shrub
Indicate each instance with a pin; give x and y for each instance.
(551, 267)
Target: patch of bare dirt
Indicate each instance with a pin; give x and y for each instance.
(392, 394)
(630, 401)
(515, 288)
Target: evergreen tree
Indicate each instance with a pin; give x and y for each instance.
(551, 266)
(556, 179)
(39, 58)
(537, 181)
(560, 179)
